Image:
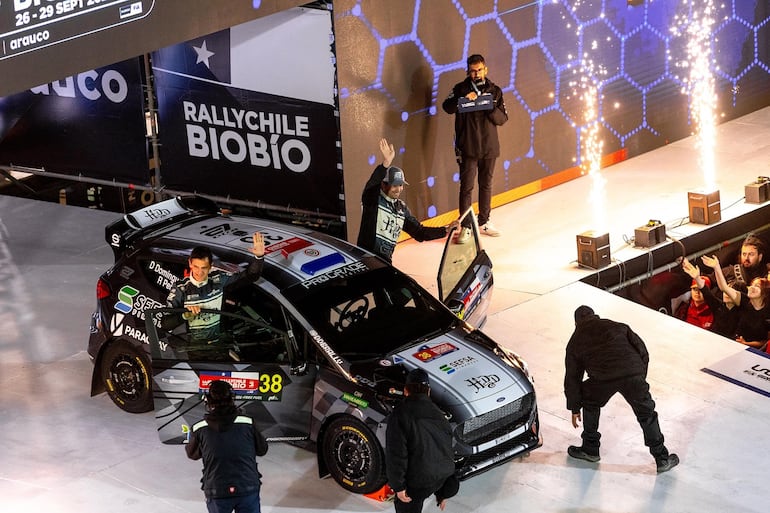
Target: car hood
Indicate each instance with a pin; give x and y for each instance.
(464, 373)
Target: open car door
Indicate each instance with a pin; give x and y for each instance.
(465, 276)
(270, 377)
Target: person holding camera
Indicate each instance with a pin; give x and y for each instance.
(228, 442)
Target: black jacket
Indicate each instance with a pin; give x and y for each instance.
(383, 218)
(737, 272)
(605, 350)
(476, 131)
(725, 319)
(752, 324)
(229, 444)
(418, 452)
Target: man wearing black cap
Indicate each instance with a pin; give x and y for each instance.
(615, 359)
(384, 215)
(419, 459)
(229, 443)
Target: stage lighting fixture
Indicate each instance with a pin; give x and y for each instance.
(704, 207)
(758, 191)
(651, 234)
(593, 249)
(634, 3)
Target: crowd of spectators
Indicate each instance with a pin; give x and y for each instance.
(738, 305)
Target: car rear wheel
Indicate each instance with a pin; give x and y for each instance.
(353, 456)
(125, 370)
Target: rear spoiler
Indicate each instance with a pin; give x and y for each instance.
(122, 234)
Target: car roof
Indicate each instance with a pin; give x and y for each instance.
(293, 254)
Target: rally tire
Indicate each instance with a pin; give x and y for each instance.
(126, 373)
(353, 456)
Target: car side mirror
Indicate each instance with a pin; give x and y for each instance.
(456, 306)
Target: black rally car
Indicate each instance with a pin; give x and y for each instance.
(317, 348)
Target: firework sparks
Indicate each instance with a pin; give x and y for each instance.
(697, 26)
(592, 154)
(586, 87)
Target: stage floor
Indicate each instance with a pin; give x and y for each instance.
(64, 451)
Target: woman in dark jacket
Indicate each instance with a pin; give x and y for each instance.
(754, 305)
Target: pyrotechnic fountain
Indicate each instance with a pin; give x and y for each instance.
(697, 24)
(593, 246)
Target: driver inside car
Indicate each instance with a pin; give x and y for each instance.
(203, 289)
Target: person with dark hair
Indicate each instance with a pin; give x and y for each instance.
(204, 289)
(754, 306)
(751, 263)
(478, 106)
(725, 311)
(615, 360)
(228, 442)
(419, 459)
(384, 215)
(697, 311)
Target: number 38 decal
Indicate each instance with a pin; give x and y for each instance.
(262, 386)
(270, 383)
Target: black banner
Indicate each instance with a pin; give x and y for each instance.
(46, 40)
(227, 130)
(90, 124)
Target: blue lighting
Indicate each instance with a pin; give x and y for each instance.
(541, 51)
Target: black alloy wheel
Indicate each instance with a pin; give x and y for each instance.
(126, 374)
(353, 456)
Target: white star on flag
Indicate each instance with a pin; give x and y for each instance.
(203, 54)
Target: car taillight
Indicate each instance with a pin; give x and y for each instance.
(102, 289)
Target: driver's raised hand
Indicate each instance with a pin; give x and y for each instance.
(258, 246)
(388, 152)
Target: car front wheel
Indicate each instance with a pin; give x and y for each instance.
(353, 456)
(125, 370)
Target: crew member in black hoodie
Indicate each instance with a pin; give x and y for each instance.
(419, 458)
(615, 359)
(229, 443)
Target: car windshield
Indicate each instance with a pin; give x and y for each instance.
(372, 313)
